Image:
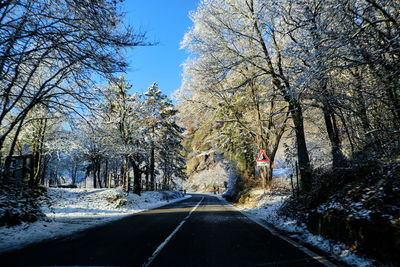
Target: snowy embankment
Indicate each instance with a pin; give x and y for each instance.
(71, 210)
(266, 207)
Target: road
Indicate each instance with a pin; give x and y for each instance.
(199, 231)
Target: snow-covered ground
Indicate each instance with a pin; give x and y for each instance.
(266, 206)
(72, 210)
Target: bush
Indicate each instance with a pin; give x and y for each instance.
(18, 203)
(357, 206)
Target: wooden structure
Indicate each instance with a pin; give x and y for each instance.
(22, 167)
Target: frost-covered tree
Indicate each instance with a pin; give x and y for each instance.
(123, 113)
(345, 58)
(336, 60)
(171, 159)
(154, 103)
(230, 37)
(88, 139)
(49, 51)
(165, 136)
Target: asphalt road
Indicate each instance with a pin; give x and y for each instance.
(200, 231)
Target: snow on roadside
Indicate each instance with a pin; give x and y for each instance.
(266, 207)
(71, 210)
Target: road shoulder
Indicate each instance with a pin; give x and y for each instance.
(26, 234)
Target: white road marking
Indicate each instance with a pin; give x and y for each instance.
(162, 245)
(321, 259)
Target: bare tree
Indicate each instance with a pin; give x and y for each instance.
(230, 34)
(65, 43)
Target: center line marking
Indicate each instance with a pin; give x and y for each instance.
(162, 245)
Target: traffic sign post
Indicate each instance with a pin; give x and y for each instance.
(262, 157)
(263, 161)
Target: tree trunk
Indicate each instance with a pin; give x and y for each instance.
(271, 167)
(152, 166)
(165, 178)
(137, 181)
(136, 177)
(122, 176)
(106, 174)
(116, 177)
(98, 168)
(94, 174)
(346, 128)
(126, 175)
(42, 132)
(44, 170)
(37, 159)
(338, 158)
(7, 164)
(147, 181)
(128, 181)
(302, 152)
(269, 175)
(73, 174)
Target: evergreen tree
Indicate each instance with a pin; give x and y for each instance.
(152, 119)
(122, 113)
(172, 161)
(164, 135)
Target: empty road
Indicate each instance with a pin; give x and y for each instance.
(199, 231)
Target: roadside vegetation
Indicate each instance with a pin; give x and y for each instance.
(315, 84)
(67, 115)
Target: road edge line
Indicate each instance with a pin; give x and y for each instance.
(320, 258)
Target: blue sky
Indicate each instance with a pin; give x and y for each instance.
(164, 22)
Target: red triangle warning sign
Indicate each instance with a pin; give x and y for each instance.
(262, 157)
